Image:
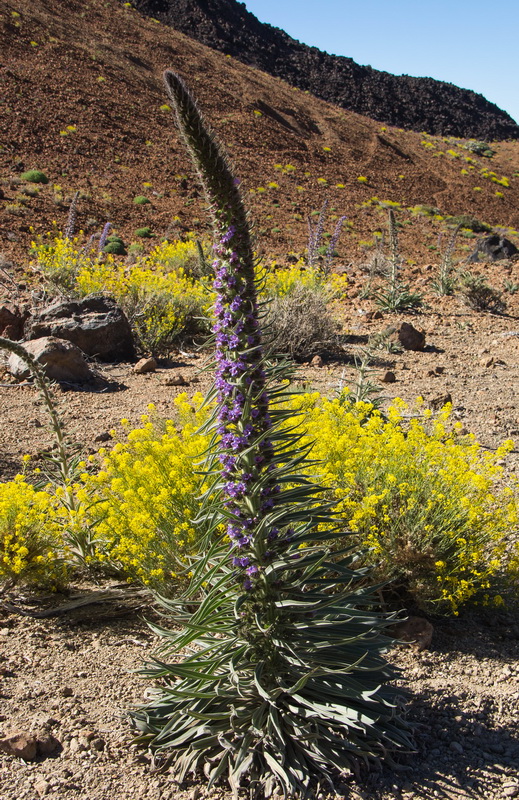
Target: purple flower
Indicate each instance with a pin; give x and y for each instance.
(252, 570)
(242, 561)
(226, 238)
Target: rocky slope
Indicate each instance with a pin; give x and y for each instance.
(83, 101)
(420, 104)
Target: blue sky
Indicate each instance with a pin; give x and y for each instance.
(471, 43)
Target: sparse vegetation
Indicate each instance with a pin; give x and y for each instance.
(477, 294)
(395, 296)
(34, 176)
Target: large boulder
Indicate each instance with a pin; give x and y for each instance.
(96, 324)
(493, 248)
(61, 361)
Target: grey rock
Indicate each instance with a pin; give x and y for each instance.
(60, 360)
(97, 325)
(438, 402)
(98, 744)
(41, 787)
(415, 630)
(175, 380)
(47, 744)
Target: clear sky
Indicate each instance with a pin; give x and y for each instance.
(471, 43)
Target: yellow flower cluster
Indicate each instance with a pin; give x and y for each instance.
(159, 295)
(159, 305)
(31, 546)
(430, 510)
(60, 258)
(422, 499)
(146, 496)
(281, 281)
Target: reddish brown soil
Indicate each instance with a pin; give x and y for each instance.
(97, 67)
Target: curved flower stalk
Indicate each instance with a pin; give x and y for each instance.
(284, 683)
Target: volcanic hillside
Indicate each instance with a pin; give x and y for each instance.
(420, 104)
(83, 101)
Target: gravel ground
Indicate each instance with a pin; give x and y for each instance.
(72, 678)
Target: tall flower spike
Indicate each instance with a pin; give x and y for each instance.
(282, 683)
(242, 417)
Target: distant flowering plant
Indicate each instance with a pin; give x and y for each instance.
(282, 683)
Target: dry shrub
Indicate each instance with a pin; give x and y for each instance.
(300, 325)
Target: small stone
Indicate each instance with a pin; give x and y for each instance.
(47, 744)
(41, 787)
(486, 362)
(439, 370)
(98, 744)
(73, 745)
(511, 790)
(175, 380)
(103, 437)
(67, 691)
(388, 377)
(316, 362)
(378, 315)
(19, 744)
(456, 747)
(145, 365)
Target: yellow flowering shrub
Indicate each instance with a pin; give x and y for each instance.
(160, 306)
(163, 293)
(161, 297)
(31, 546)
(281, 281)
(423, 500)
(145, 496)
(60, 259)
(431, 511)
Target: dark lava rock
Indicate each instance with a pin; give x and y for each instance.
(493, 248)
(97, 325)
(421, 104)
(410, 337)
(11, 322)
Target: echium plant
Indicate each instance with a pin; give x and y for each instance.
(282, 681)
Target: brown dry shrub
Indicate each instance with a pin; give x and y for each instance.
(300, 325)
